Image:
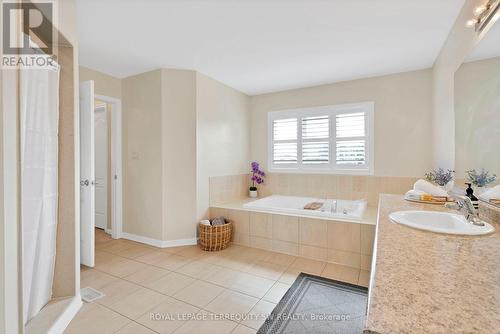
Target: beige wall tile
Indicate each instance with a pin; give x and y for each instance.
(261, 225)
(285, 247)
(240, 220)
(313, 232)
(241, 239)
(217, 212)
(345, 258)
(367, 239)
(285, 228)
(311, 252)
(262, 243)
(344, 236)
(366, 262)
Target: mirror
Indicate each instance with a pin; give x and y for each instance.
(477, 112)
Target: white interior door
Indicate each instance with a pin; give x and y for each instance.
(87, 175)
(101, 166)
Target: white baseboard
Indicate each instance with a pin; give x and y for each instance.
(159, 243)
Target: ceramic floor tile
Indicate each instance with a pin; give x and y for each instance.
(137, 303)
(259, 313)
(308, 266)
(207, 323)
(153, 257)
(118, 245)
(95, 279)
(276, 292)
(171, 283)
(173, 262)
(289, 276)
(147, 275)
(267, 270)
(168, 316)
(197, 269)
(199, 293)
(222, 276)
(231, 302)
(137, 251)
(189, 251)
(123, 268)
(279, 258)
(364, 278)
(135, 328)
(116, 291)
(251, 285)
(341, 273)
(240, 329)
(95, 319)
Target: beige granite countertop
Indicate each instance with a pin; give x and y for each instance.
(423, 282)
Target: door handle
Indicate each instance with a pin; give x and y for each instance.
(84, 183)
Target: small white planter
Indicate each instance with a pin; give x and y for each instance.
(253, 193)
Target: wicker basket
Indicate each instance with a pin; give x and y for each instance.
(215, 238)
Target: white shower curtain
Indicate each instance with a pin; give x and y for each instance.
(39, 105)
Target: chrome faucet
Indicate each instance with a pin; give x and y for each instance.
(464, 205)
(334, 206)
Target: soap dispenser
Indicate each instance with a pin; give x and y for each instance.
(470, 193)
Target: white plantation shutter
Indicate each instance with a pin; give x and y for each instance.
(315, 140)
(285, 141)
(350, 129)
(331, 138)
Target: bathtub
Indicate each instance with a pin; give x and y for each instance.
(332, 208)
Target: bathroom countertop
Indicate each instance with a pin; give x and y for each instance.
(369, 218)
(423, 282)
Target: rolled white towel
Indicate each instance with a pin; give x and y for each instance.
(414, 194)
(205, 222)
(493, 193)
(429, 188)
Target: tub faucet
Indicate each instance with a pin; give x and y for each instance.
(464, 205)
(334, 206)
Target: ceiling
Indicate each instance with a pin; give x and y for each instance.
(489, 46)
(261, 46)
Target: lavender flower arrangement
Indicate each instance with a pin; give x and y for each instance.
(257, 175)
(480, 179)
(440, 176)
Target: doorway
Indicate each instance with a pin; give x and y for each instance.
(100, 169)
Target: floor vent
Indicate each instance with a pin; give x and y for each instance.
(90, 294)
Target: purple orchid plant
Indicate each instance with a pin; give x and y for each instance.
(257, 175)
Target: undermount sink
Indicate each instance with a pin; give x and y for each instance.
(440, 222)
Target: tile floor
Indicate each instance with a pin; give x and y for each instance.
(186, 290)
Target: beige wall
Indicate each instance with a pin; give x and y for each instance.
(222, 135)
(403, 114)
(178, 88)
(142, 155)
(103, 84)
(477, 116)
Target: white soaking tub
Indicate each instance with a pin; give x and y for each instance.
(332, 208)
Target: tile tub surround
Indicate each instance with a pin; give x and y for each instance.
(344, 243)
(225, 189)
(425, 282)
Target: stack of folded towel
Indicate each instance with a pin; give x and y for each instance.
(492, 195)
(426, 191)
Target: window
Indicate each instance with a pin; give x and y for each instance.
(336, 139)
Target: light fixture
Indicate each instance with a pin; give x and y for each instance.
(480, 9)
(484, 15)
(470, 23)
